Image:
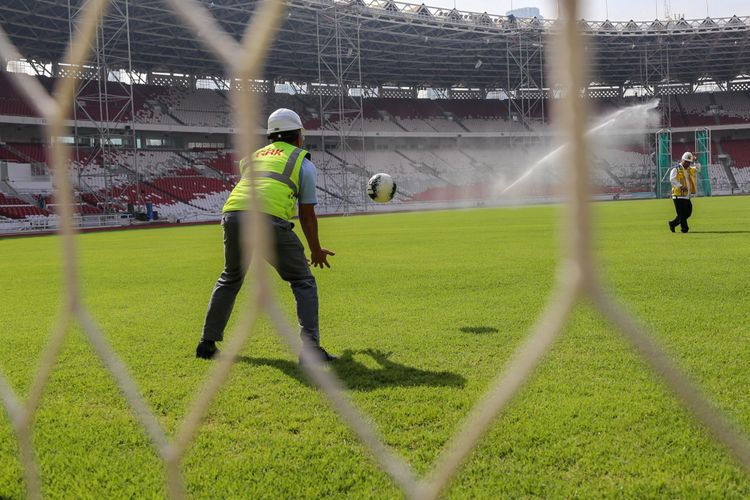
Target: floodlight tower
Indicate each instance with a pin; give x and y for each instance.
(340, 92)
(104, 108)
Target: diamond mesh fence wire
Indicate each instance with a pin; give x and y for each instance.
(577, 278)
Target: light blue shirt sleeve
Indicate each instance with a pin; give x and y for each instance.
(307, 181)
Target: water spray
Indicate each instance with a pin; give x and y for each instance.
(636, 116)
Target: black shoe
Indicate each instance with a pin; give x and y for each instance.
(671, 226)
(206, 350)
(686, 230)
(319, 355)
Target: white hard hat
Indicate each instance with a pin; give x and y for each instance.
(688, 156)
(283, 120)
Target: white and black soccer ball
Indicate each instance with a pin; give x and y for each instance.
(381, 188)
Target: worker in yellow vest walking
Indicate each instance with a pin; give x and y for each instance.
(285, 177)
(682, 177)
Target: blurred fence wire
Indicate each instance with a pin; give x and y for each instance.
(577, 276)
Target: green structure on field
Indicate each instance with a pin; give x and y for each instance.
(662, 187)
(703, 157)
(702, 153)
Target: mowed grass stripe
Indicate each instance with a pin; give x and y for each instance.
(425, 309)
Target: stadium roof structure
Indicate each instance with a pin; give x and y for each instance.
(404, 44)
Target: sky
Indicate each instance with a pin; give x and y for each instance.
(614, 10)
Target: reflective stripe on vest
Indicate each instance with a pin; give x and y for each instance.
(286, 175)
(277, 169)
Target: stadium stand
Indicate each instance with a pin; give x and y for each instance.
(23, 153)
(178, 181)
(196, 191)
(82, 208)
(738, 150)
(217, 160)
(15, 208)
(11, 104)
(742, 176)
(211, 108)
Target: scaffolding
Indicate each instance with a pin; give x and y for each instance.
(105, 161)
(525, 75)
(342, 163)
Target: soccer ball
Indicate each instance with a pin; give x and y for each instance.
(381, 188)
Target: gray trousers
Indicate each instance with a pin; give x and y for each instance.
(289, 261)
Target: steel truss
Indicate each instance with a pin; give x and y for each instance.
(527, 93)
(342, 164)
(525, 86)
(404, 45)
(104, 112)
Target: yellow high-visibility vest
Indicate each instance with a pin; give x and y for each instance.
(277, 168)
(682, 191)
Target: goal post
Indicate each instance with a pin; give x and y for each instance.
(703, 157)
(663, 162)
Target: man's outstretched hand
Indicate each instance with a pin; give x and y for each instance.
(319, 258)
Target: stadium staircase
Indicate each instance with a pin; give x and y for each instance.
(19, 155)
(172, 195)
(726, 165)
(330, 193)
(218, 161)
(348, 167)
(422, 167)
(479, 165)
(430, 126)
(81, 206)
(471, 158)
(223, 94)
(207, 171)
(160, 191)
(172, 116)
(449, 115)
(717, 142)
(403, 194)
(200, 168)
(5, 187)
(28, 198)
(606, 167)
(389, 117)
(168, 100)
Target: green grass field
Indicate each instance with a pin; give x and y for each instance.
(424, 309)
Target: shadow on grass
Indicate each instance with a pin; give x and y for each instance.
(358, 376)
(720, 232)
(285, 366)
(479, 329)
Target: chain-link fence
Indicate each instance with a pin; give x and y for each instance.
(577, 278)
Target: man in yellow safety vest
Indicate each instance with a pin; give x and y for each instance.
(682, 177)
(284, 177)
